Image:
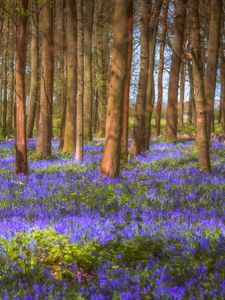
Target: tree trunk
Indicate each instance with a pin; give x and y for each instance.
(80, 82)
(182, 91)
(177, 47)
(139, 121)
(69, 141)
(124, 138)
(47, 65)
(21, 146)
(11, 82)
(34, 54)
(102, 52)
(198, 76)
(111, 156)
(88, 92)
(191, 102)
(161, 68)
(150, 86)
(1, 54)
(61, 66)
(5, 86)
(212, 58)
(222, 50)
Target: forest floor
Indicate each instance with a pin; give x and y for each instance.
(157, 232)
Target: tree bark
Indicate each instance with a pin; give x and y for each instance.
(102, 53)
(191, 102)
(150, 85)
(1, 54)
(88, 92)
(111, 157)
(34, 53)
(69, 142)
(5, 81)
(124, 138)
(139, 121)
(198, 76)
(47, 65)
(222, 50)
(161, 68)
(212, 59)
(177, 48)
(21, 146)
(182, 91)
(59, 62)
(80, 82)
(11, 82)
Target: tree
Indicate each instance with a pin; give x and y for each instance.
(158, 109)
(5, 78)
(222, 72)
(212, 58)
(69, 140)
(200, 100)
(47, 64)
(151, 85)
(182, 90)
(124, 138)
(111, 157)
(60, 70)
(101, 59)
(80, 82)
(21, 146)
(34, 65)
(139, 119)
(11, 82)
(179, 22)
(88, 92)
(191, 102)
(1, 53)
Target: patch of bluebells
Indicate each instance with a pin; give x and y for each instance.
(156, 199)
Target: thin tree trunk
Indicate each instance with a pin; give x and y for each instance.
(191, 102)
(11, 82)
(80, 82)
(101, 41)
(33, 97)
(59, 61)
(1, 54)
(69, 141)
(47, 65)
(182, 91)
(161, 68)
(150, 86)
(5, 86)
(88, 92)
(222, 50)
(139, 122)
(212, 58)
(111, 156)
(124, 138)
(179, 25)
(198, 76)
(62, 67)
(21, 146)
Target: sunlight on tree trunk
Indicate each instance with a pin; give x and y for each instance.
(47, 64)
(21, 145)
(111, 157)
(198, 76)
